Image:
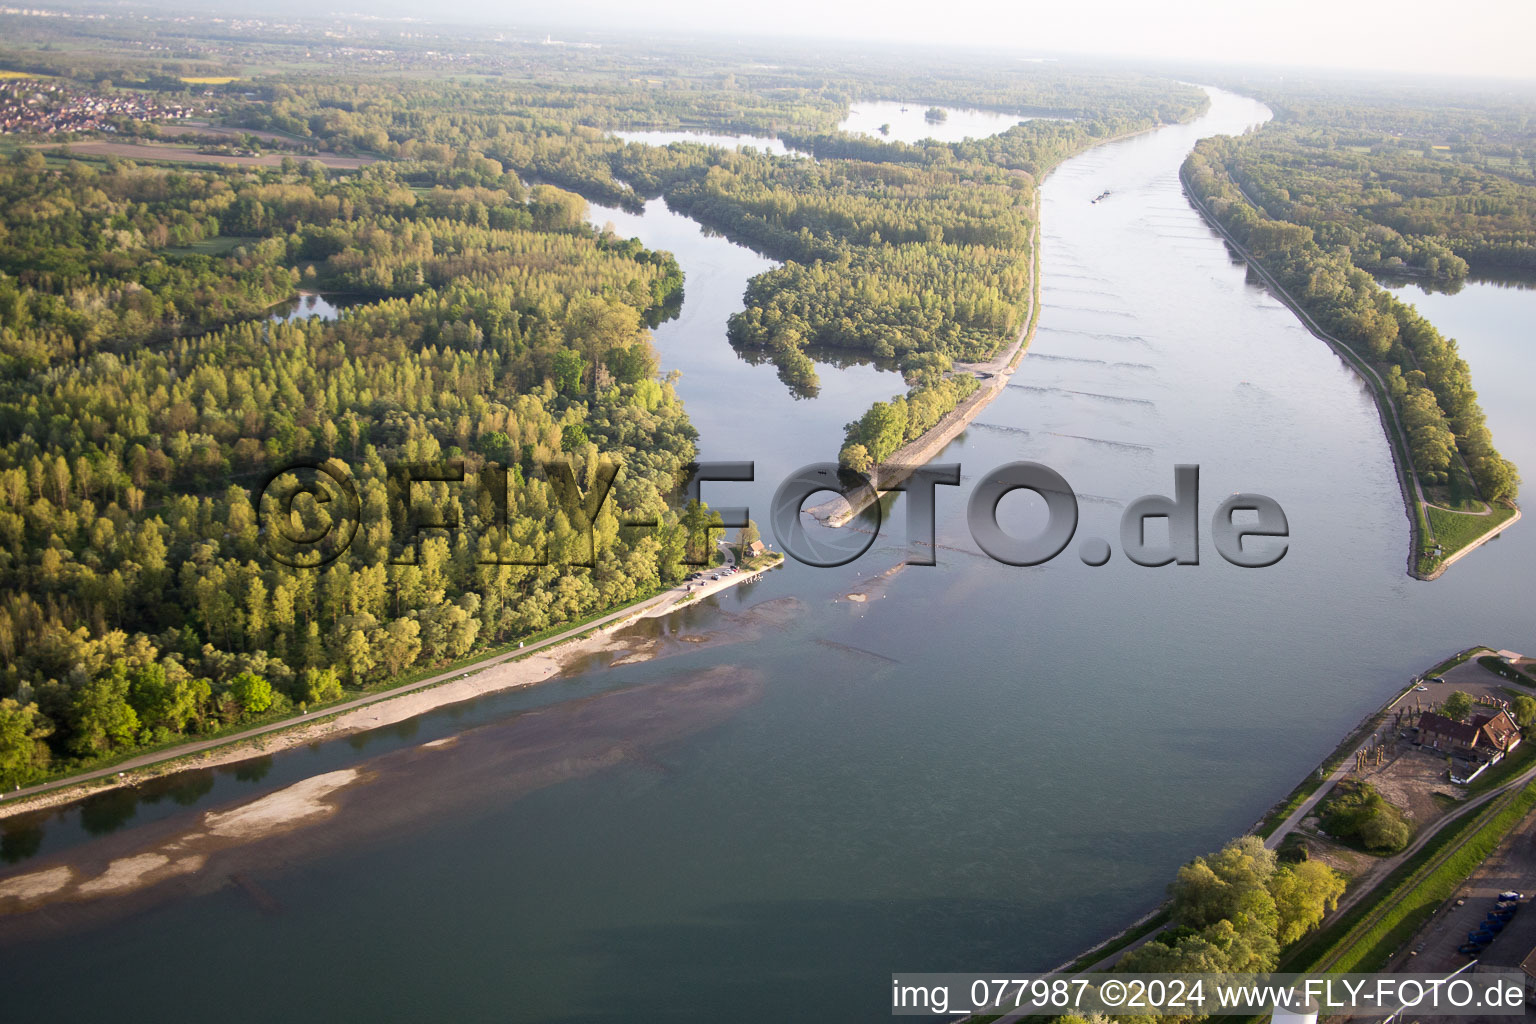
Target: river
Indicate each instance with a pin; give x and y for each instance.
(978, 767)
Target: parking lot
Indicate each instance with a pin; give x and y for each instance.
(1511, 866)
(1474, 679)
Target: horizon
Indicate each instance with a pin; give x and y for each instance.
(1483, 42)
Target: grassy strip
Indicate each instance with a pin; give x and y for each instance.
(1450, 663)
(1119, 942)
(1414, 890)
(1298, 796)
(1513, 764)
(1498, 667)
(1421, 901)
(1457, 530)
(1312, 950)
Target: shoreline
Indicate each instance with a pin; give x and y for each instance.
(1492, 533)
(1414, 502)
(1279, 819)
(230, 844)
(513, 669)
(839, 511)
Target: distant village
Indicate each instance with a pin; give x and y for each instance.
(36, 107)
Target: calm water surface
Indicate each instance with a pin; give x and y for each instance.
(307, 304)
(979, 767)
(663, 138)
(904, 122)
(908, 122)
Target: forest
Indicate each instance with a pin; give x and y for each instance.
(1401, 206)
(917, 255)
(144, 388)
(913, 253)
(1427, 378)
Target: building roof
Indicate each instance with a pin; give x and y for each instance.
(1493, 731)
(1464, 733)
(1499, 728)
(1528, 965)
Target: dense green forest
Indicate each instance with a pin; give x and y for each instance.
(143, 388)
(1399, 206)
(917, 253)
(1428, 380)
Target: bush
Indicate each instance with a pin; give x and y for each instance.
(1360, 814)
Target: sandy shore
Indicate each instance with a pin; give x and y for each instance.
(237, 843)
(502, 673)
(300, 804)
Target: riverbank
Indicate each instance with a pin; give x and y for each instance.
(231, 845)
(540, 662)
(1286, 815)
(1415, 503)
(993, 374)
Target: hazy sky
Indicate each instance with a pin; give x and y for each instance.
(1474, 37)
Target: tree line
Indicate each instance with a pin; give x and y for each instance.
(1401, 206)
(1426, 376)
(1233, 911)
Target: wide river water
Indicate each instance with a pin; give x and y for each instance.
(977, 767)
